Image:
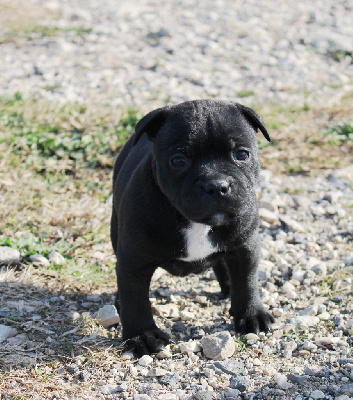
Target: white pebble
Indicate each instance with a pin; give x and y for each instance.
(145, 360)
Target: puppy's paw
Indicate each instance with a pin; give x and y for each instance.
(151, 341)
(252, 320)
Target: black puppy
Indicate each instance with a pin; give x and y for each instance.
(184, 200)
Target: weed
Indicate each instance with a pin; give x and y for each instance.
(296, 335)
(341, 132)
(294, 168)
(340, 55)
(67, 138)
(245, 93)
(32, 31)
(241, 342)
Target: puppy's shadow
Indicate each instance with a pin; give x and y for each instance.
(50, 320)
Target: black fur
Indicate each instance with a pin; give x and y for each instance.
(155, 201)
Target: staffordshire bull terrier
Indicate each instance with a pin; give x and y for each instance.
(184, 199)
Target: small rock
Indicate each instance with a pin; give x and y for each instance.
(208, 372)
(17, 340)
(325, 316)
(304, 352)
(317, 394)
(239, 382)
(309, 346)
(298, 275)
(8, 255)
(287, 353)
(282, 381)
(187, 315)
(302, 201)
(73, 368)
(61, 371)
(179, 327)
(94, 299)
(6, 332)
(288, 287)
(278, 333)
(141, 397)
(167, 310)
(218, 346)
(56, 258)
(313, 370)
(278, 312)
(109, 389)
(252, 336)
(171, 379)
(168, 396)
(327, 340)
(312, 310)
(308, 320)
(230, 392)
(321, 308)
(312, 262)
(229, 367)
(290, 224)
(269, 217)
(145, 360)
(203, 395)
(107, 316)
(164, 353)
(156, 372)
(38, 259)
(320, 269)
(298, 379)
(347, 389)
(85, 375)
(190, 347)
(348, 259)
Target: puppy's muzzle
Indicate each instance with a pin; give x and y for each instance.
(214, 188)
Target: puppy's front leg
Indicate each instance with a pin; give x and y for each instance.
(246, 305)
(139, 329)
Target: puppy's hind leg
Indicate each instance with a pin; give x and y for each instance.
(222, 276)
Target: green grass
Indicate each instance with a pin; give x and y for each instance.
(241, 342)
(245, 93)
(296, 335)
(65, 136)
(77, 265)
(32, 31)
(340, 55)
(341, 132)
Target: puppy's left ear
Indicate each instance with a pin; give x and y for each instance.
(254, 119)
(150, 124)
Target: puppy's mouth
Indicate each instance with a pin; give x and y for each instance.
(217, 219)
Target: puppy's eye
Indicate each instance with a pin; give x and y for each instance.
(178, 161)
(241, 155)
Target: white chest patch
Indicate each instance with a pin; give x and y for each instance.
(198, 244)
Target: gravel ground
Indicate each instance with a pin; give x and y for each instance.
(143, 56)
(306, 282)
(157, 52)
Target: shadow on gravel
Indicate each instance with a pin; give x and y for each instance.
(47, 322)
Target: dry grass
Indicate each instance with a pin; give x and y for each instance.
(300, 145)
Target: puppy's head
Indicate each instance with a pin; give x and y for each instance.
(205, 158)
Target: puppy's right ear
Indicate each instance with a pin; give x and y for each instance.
(150, 123)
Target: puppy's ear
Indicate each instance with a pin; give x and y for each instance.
(150, 123)
(254, 119)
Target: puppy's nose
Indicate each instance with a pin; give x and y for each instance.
(219, 187)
